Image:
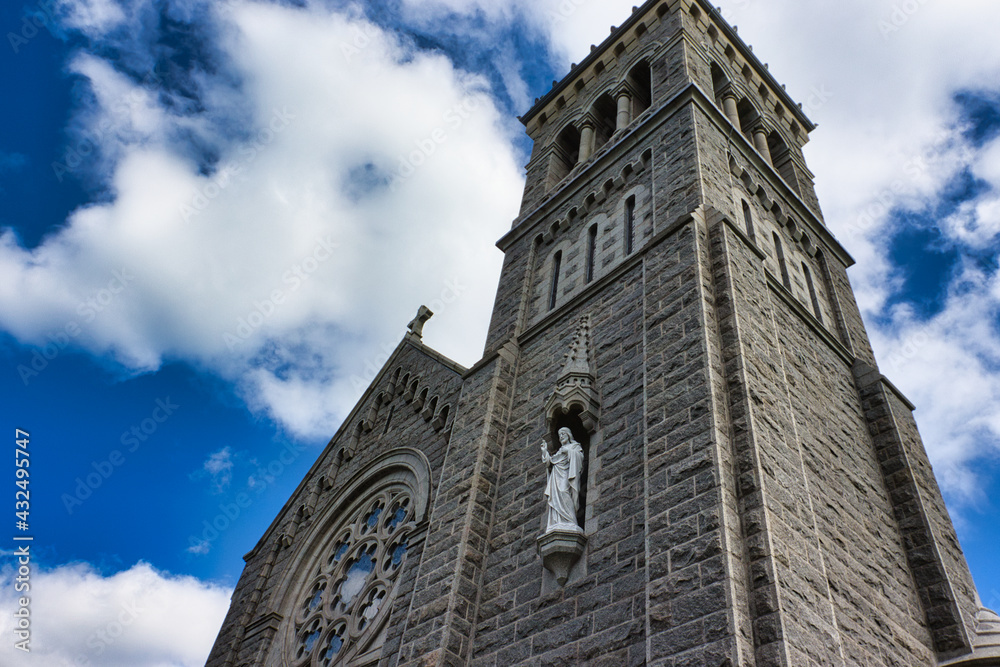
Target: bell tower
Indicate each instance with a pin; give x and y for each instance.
(752, 491)
(758, 493)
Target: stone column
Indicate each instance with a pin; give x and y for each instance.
(760, 142)
(587, 137)
(624, 110)
(729, 106)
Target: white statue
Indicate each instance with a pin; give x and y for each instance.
(563, 488)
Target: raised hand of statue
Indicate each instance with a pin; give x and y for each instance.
(546, 457)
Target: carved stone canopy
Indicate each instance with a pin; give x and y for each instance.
(576, 390)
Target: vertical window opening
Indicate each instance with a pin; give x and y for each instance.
(641, 80)
(748, 219)
(605, 113)
(780, 252)
(388, 419)
(591, 252)
(556, 267)
(812, 293)
(565, 156)
(629, 225)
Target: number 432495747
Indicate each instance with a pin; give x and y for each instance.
(21, 460)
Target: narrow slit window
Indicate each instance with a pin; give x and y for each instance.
(748, 220)
(388, 419)
(591, 252)
(629, 225)
(556, 267)
(812, 293)
(780, 252)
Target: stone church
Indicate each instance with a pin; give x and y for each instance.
(677, 448)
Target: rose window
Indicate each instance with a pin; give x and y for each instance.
(345, 604)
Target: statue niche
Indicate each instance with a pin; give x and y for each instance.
(572, 414)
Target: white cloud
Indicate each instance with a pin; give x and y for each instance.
(296, 253)
(570, 25)
(949, 367)
(219, 468)
(138, 617)
(890, 139)
(362, 109)
(92, 17)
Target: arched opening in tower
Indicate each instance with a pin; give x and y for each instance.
(565, 155)
(719, 82)
(605, 114)
(640, 79)
(748, 116)
(781, 158)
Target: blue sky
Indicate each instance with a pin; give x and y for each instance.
(215, 219)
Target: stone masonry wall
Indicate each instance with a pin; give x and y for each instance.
(439, 626)
(408, 428)
(598, 618)
(953, 559)
(813, 501)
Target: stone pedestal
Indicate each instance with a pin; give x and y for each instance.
(560, 550)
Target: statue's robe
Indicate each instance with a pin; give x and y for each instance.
(563, 488)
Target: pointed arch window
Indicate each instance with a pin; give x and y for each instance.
(565, 156)
(605, 115)
(779, 252)
(640, 80)
(817, 311)
(554, 287)
(629, 225)
(591, 252)
(748, 220)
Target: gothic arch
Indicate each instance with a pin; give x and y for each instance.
(552, 277)
(781, 158)
(565, 154)
(313, 605)
(720, 81)
(749, 114)
(637, 195)
(604, 115)
(592, 256)
(640, 82)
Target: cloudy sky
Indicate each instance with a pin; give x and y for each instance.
(216, 218)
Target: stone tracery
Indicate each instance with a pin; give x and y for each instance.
(345, 604)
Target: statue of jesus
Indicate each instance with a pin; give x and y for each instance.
(563, 488)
